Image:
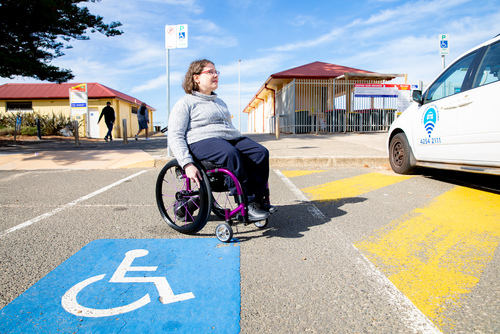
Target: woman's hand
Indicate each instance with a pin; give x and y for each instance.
(193, 173)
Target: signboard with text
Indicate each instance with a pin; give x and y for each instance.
(444, 46)
(78, 99)
(176, 36)
(400, 91)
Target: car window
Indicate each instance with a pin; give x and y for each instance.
(490, 66)
(450, 81)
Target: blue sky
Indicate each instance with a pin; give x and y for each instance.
(386, 36)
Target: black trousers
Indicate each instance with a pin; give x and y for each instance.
(247, 159)
(110, 128)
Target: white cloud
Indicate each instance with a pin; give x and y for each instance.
(326, 38)
(159, 82)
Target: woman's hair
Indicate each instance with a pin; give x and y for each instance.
(196, 67)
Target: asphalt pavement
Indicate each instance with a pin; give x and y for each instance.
(299, 150)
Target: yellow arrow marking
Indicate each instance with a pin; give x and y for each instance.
(353, 186)
(438, 252)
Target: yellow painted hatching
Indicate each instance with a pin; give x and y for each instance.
(352, 187)
(437, 253)
(295, 173)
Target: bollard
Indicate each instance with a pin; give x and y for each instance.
(125, 139)
(77, 133)
(277, 126)
(38, 129)
(17, 127)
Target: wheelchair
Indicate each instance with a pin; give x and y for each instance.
(186, 208)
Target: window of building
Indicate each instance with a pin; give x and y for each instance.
(134, 110)
(25, 106)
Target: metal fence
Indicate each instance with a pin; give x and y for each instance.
(313, 106)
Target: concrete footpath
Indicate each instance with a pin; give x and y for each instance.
(299, 150)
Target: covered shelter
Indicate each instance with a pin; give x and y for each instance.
(317, 97)
(47, 98)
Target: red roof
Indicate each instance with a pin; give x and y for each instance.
(317, 69)
(19, 91)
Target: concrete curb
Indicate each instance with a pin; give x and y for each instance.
(310, 162)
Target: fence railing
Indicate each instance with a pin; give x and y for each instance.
(313, 106)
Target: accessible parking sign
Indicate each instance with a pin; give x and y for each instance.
(135, 286)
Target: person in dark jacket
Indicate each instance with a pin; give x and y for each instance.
(109, 118)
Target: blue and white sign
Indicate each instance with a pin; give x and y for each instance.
(182, 36)
(176, 36)
(444, 47)
(135, 286)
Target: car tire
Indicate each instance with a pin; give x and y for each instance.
(400, 155)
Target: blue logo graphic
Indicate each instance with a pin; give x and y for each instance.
(430, 120)
(123, 285)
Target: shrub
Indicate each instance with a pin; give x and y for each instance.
(50, 124)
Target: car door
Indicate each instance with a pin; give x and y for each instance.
(478, 122)
(435, 132)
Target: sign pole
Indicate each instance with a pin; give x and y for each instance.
(444, 47)
(176, 36)
(239, 94)
(169, 152)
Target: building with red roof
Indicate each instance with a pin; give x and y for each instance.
(47, 98)
(306, 94)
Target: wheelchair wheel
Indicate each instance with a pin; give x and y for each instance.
(184, 209)
(224, 232)
(262, 223)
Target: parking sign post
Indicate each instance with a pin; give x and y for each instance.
(444, 47)
(176, 36)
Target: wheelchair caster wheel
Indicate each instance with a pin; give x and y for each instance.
(224, 232)
(262, 223)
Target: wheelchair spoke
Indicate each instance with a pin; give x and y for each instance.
(184, 208)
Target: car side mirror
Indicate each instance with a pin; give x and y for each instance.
(417, 96)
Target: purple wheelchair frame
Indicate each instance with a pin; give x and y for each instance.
(240, 196)
(241, 208)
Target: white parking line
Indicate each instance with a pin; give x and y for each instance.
(416, 321)
(68, 205)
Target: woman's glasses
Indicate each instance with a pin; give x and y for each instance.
(211, 72)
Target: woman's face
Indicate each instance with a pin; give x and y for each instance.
(207, 80)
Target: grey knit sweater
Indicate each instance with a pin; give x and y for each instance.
(196, 117)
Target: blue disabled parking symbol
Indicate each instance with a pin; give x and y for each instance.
(135, 286)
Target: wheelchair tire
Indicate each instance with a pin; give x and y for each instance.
(262, 223)
(224, 232)
(186, 211)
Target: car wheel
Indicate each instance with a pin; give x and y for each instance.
(400, 155)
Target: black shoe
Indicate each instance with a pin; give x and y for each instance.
(268, 207)
(106, 139)
(255, 213)
(110, 139)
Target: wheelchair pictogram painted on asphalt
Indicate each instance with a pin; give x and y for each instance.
(144, 285)
(167, 296)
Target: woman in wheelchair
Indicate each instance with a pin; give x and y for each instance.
(200, 128)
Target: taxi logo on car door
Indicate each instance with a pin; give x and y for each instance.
(430, 118)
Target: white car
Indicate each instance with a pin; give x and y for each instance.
(455, 123)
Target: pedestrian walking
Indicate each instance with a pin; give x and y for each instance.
(143, 119)
(109, 118)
